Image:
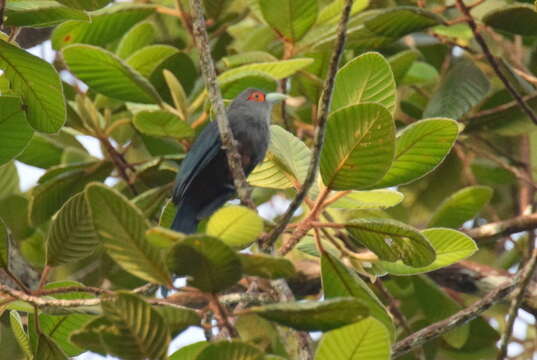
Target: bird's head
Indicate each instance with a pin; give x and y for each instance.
(255, 100)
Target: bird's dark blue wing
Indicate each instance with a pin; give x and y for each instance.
(204, 149)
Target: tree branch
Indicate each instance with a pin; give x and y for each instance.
(326, 100)
(492, 61)
(119, 162)
(221, 316)
(502, 228)
(526, 277)
(207, 68)
(47, 302)
(462, 317)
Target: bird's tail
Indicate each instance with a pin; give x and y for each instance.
(185, 220)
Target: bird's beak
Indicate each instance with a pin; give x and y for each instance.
(273, 98)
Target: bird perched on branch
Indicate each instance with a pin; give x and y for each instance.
(204, 182)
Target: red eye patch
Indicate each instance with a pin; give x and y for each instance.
(257, 96)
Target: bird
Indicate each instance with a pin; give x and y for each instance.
(204, 182)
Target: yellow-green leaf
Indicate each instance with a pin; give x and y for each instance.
(359, 147)
(122, 226)
(237, 226)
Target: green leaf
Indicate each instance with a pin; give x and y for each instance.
(420, 73)
(517, 19)
(33, 249)
(392, 240)
(85, 4)
(510, 120)
(148, 58)
(182, 67)
(162, 123)
(14, 212)
(90, 336)
(15, 133)
(48, 197)
(216, 8)
(314, 315)
(48, 350)
(144, 324)
(122, 227)
(463, 87)
(38, 84)
(366, 79)
(20, 334)
(373, 199)
(150, 202)
(340, 281)
(419, 149)
(178, 94)
(332, 11)
(236, 226)
(400, 21)
(266, 266)
(40, 13)
(286, 163)
(224, 350)
(401, 64)
(163, 238)
(60, 327)
(367, 339)
(41, 152)
(359, 147)
(212, 265)
(9, 180)
(276, 69)
(247, 57)
(137, 37)
(178, 318)
(72, 235)
(462, 206)
(436, 306)
(106, 25)
(107, 74)
(449, 245)
(167, 214)
(189, 352)
(291, 19)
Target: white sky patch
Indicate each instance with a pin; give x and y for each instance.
(91, 144)
(28, 175)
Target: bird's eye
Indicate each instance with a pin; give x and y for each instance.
(257, 96)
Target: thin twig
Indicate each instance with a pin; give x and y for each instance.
(328, 88)
(500, 108)
(207, 68)
(69, 289)
(394, 310)
(184, 17)
(503, 228)
(462, 317)
(119, 162)
(305, 225)
(47, 302)
(221, 316)
(44, 277)
(527, 274)
(520, 174)
(492, 61)
(16, 280)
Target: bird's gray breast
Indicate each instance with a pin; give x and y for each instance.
(253, 135)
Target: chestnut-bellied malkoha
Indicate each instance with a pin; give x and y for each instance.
(204, 182)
